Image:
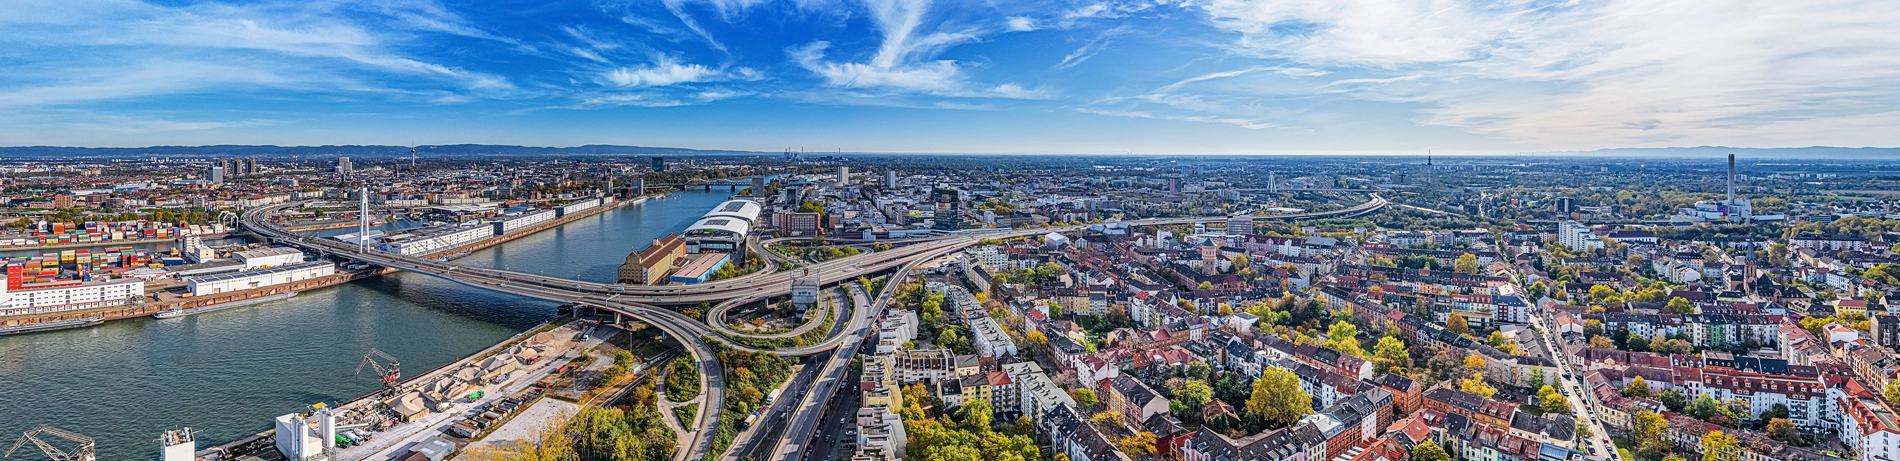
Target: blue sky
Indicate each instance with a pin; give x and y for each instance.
(1009, 76)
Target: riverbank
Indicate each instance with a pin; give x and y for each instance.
(556, 339)
(148, 306)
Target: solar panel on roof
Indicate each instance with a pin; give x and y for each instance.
(717, 222)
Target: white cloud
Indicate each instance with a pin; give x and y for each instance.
(1021, 24)
(666, 71)
(1578, 75)
(903, 59)
(1090, 49)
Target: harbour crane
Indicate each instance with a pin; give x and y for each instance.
(83, 453)
(386, 366)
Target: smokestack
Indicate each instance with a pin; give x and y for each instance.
(1731, 179)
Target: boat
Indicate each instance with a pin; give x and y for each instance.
(176, 312)
(53, 325)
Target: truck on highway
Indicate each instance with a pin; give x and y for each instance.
(772, 397)
(749, 420)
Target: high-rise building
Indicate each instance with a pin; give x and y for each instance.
(343, 165)
(659, 163)
(1565, 205)
(890, 178)
(844, 175)
(215, 174)
(758, 186)
(1577, 236)
(1174, 185)
(250, 165)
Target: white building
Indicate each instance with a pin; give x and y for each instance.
(68, 296)
(438, 239)
(223, 283)
(1576, 236)
(269, 257)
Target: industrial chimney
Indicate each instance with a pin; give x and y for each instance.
(1731, 179)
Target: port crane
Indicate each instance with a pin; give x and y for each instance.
(83, 453)
(386, 366)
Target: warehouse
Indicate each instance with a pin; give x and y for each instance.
(576, 207)
(522, 221)
(269, 257)
(700, 268)
(224, 283)
(437, 239)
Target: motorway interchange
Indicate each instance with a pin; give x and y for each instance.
(643, 301)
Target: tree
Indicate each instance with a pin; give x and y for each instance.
(1457, 324)
(1278, 398)
(1637, 388)
(1466, 264)
(1552, 401)
(1142, 443)
(1036, 339)
(1672, 399)
(1194, 394)
(1085, 398)
(1893, 388)
(975, 416)
(1476, 385)
(1389, 354)
(1474, 363)
(1680, 306)
(1783, 430)
(1602, 342)
(1650, 426)
(1602, 293)
(1109, 417)
(1717, 446)
(1671, 346)
(1343, 337)
(1429, 451)
(1703, 407)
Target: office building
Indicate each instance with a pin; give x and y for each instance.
(343, 165)
(215, 174)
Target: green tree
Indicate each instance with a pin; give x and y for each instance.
(1343, 337)
(1466, 264)
(1680, 306)
(1552, 401)
(1390, 354)
(1718, 446)
(1085, 398)
(1278, 398)
(1194, 394)
(1429, 451)
(1476, 385)
(1637, 388)
(1893, 388)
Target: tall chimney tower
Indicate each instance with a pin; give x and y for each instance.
(1731, 179)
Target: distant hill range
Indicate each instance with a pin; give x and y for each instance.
(480, 150)
(1791, 153)
(457, 150)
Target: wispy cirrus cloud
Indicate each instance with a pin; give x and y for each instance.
(1596, 74)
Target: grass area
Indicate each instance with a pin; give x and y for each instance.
(682, 379)
(688, 414)
(812, 336)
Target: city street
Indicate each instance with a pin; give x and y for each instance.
(1580, 397)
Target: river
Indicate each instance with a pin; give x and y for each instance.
(227, 373)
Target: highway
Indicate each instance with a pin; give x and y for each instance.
(641, 301)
